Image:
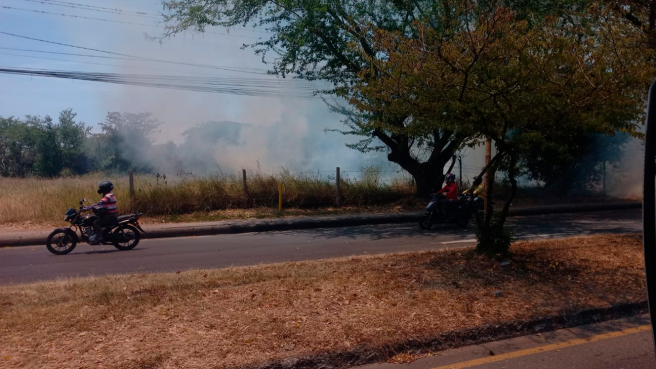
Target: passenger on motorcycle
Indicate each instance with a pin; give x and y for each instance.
(105, 210)
(449, 202)
(478, 191)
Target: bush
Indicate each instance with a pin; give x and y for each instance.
(495, 240)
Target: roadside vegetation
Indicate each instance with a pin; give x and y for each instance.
(422, 80)
(41, 202)
(250, 316)
(46, 200)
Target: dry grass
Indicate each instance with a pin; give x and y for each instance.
(247, 316)
(410, 204)
(45, 200)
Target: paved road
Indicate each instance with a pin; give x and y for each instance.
(24, 264)
(620, 344)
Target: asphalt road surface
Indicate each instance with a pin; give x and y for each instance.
(32, 263)
(620, 344)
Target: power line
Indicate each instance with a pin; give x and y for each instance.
(116, 11)
(112, 21)
(94, 63)
(213, 81)
(140, 58)
(208, 66)
(226, 68)
(210, 85)
(78, 16)
(95, 8)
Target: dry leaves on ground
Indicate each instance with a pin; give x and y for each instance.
(248, 316)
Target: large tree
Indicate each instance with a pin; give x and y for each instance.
(125, 142)
(310, 39)
(71, 136)
(17, 147)
(532, 85)
(39, 146)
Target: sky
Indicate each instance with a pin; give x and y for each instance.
(299, 124)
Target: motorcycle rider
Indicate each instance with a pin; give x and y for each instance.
(479, 190)
(448, 202)
(105, 209)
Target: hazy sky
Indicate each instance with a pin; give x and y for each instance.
(303, 120)
(22, 95)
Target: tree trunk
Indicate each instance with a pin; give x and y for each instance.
(427, 183)
(429, 175)
(513, 187)
(485, 228)
(493, 238)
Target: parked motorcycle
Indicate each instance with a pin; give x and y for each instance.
(466, 205)
(124, 234)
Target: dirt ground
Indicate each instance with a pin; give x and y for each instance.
(241, 317)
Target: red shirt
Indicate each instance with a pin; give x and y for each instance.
(452, 189)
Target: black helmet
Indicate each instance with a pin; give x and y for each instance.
(450, 177)
(105, 187)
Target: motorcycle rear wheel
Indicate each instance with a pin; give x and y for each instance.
(61, 241)
(463, 221)
(127, 237)
(425, 222)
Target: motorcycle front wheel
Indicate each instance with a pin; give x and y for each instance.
(126, 237)
(61, 241)
(425, 222)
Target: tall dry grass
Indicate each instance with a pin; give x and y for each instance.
(46, 200)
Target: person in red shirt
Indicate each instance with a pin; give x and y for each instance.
(451, 195)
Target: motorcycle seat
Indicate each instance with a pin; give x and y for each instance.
(124, 217)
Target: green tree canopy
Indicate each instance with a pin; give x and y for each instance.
(311, 39)
(531, 85)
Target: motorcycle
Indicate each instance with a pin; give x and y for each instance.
(124, 234)
(466, 206)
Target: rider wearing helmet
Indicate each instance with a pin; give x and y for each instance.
(105, 209)
(451, 192)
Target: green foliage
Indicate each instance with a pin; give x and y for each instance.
(49, 152)
(533, 84)
(71, 136)
(38, 146)
(17, 147)
(576, 167)
(333, 41)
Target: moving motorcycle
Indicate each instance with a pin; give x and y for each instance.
(466, 205)
(124, 234)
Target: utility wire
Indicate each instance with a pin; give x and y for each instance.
(100, 9)
(140, 58)
(116, 11)
(210, 85)
(103, 64)
(231, 68)
(208, 66)
(113, 21)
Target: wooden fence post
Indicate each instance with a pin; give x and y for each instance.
(280, 196)
(338, 185)
(131, 177)
(243, 175)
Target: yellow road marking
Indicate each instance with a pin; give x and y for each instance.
(547, 348)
